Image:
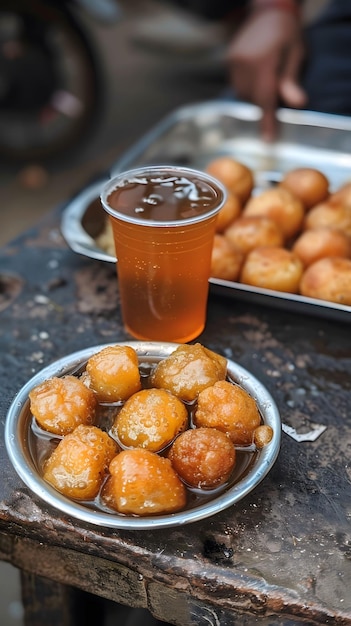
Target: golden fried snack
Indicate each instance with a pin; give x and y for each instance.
(236, 176)
(330, 214)
(342, 195)
(328, 279)
(226, 261)
(229, 212)
(143, 483)
(263, 435)
(61, 404)
(105, 239)
(229, 408)
(249, 232)
(272, 268)
(188, 370)
(203, 457)
(79, 464)
(113, 373)
(308, 184)
(318, 243)
(280, 205)
(150, 419)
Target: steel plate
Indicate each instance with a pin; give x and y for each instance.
(18, 436)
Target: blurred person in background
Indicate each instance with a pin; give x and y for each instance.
(274, 60)
(273, 55)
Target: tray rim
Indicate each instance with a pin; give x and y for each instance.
(241, 110)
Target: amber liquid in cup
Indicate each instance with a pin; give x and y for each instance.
(163, 221)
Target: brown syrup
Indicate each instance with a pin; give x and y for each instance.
(42, 444)
(164, 198)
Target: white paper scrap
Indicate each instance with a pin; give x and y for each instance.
(312, 435)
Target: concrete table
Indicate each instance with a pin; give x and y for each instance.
(280, 556)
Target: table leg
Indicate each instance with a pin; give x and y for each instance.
(49, 602)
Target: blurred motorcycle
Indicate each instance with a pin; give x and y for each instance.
(51, 81)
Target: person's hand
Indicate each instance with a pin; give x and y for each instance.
(264, 61)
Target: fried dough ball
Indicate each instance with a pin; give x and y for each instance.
(143, 483)
(61, 404)
(263, 435)
(236, 176)
(203, 457)
(328, 279)
(188, 370)
(105, 239)
(229, 408)
(330, 214)
(113, 373)
(226, 261)
(228, 213)
(342, 195)
(318, 243)
(272, 268)
(249, 232)
(280, 205)
(308, 184)
(79, 464)
(150, 419)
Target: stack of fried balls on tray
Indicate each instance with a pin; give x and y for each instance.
(293, 237)
(142, 439)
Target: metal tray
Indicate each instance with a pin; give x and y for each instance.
(195, 134)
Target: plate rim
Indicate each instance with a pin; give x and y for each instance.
(26, 470)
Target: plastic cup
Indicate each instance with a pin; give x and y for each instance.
(163, 220)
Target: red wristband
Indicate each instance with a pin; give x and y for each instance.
(285, 5)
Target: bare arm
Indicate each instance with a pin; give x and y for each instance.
(265, 58)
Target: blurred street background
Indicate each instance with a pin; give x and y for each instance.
(142, 83)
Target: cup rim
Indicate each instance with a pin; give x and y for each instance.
(111, 184)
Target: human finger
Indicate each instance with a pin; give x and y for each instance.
(290, 89)
(266, 97)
